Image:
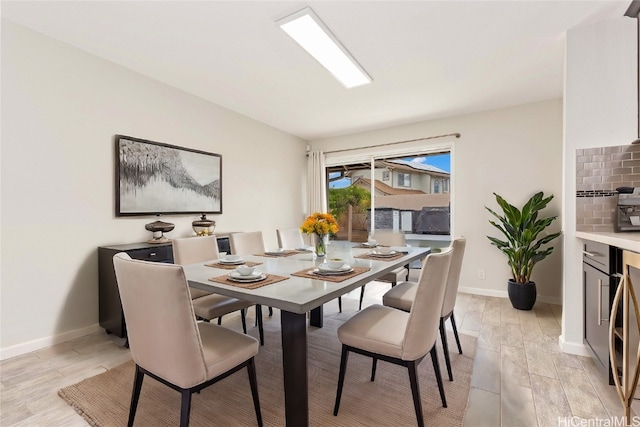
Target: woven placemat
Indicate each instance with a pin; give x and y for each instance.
(379, 258)
(271, 279)
(336, 279)
(232, 266)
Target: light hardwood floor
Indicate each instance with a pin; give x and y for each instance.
(520, 377)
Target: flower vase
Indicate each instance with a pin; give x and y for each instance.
(321, 246)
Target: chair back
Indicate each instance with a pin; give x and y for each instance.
(161, 326)
(424, 318)
(246, 243)
(190, 250)
(290, 238)
(389, 238)
(451, 293)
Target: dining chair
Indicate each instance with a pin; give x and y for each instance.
(208, 305)
(168, 344)
(248, 243)
(290, 238)
(389, 238)
(402, 296)
(398, 337)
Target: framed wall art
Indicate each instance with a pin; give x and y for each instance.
(157, 178)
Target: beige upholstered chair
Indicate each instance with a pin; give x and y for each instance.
(247, 244)
(166, 341)
(207, 305)
(404, 293)
(389, 238)
(398, 337)
(290, 238)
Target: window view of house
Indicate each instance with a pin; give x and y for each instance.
(411, 195)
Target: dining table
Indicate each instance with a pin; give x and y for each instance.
(300, 289)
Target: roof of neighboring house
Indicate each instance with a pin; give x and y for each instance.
(414, 167)
(384, 188)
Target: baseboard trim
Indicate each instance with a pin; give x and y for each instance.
(505, 294)
(573, 348)
(39, 344)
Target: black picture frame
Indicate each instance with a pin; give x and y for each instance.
(157, 178)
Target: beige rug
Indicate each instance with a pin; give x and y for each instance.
(103, 400)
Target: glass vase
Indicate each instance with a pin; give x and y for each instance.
(320, 244)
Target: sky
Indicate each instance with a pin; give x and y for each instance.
(442, 161)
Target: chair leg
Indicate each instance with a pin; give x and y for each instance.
(436, 369)
(185, 408)
(374, 365)
(445, 348)
(251, 370)
(243, 316)
(415, 391)
(259, 318)
(455, 332)
(343, 368)
(340, 304)
(408, 271)
(361, 296)
(135, 394)
(270, 311)
(220, 320)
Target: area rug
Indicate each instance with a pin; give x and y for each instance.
(104, 400)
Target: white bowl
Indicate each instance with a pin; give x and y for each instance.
(384, 250)
(233, 258)
(244, 270)
(372, 242)
(335, 263)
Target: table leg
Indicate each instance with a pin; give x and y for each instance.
(294, 364)
(315, 319)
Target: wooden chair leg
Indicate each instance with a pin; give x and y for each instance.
(185, 408)
(259, 319)
(243, 317)
(251, 370)
(135, 394)
(445, 348)
(415, 391)
(343, 368)
(361, 296)
(374, 365)
(455, 332)
(436, 369)
(340, 304)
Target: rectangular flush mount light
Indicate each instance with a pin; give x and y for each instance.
(310, 32)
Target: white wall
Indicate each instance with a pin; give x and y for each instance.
(514, 152)
(61, 109)
(600, 111)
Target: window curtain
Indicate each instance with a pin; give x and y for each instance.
(316, 183)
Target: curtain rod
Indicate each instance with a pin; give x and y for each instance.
(457, 135)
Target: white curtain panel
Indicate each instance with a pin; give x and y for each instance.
(316, 183)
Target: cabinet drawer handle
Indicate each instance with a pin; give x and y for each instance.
(152, 254)
(591, 254)
(600, 319)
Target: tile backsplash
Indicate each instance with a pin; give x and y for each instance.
(599, 171)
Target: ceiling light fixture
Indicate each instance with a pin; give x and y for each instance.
(306, 28)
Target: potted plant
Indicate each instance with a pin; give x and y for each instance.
(523, 248)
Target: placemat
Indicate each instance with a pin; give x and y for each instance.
(271, 279)
(377, 258)
(363, 246)
(336, 279)
(285, 253)
(218, 264)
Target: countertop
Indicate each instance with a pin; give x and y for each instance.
(629, 241)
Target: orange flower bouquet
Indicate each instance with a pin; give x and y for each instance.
(320, 225)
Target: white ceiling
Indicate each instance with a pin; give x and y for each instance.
(428, 59)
